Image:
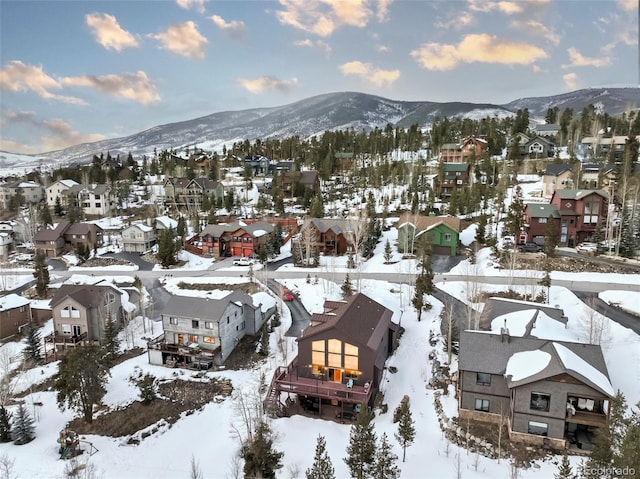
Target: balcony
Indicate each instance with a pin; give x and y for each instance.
(286, 379)
(65, 339)
(588, 418)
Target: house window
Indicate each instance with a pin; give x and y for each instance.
(208, 324)
(22, 308)
(350, 356)
(540, 402)
(195, 324)
(193, 338)
(482, 405)
(335, 353)
(538, 428)
(483, 379)
(447, 237)
(173, 320)
(542, 220)
(69, 312)
(208, 339)
(317, 352)
(66, 329)
(243, 325)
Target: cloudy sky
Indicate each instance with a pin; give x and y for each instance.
(79, 71)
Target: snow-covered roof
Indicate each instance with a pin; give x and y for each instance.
(12, 301)
(69, 183)
(258, 233)
(167, 222)
(526, 363)
(573, 362)
(531, 322)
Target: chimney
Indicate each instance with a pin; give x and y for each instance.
(504, 333)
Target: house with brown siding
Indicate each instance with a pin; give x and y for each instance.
(233, 239)
(464, 152)
(341, 355)
(15, 312)
(66, 236)
(80, 313)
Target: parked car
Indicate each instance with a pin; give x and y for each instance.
(529, 247)
(287, 295)
(508, 242)
(243, 261)
(587, 247)
(25, 257)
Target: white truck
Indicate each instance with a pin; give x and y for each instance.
(243, 261)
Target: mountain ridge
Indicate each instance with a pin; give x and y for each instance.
(329, 111)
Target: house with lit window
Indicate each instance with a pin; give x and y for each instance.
(528, 374)
(233, 239)
(202, 332)
(15, 313)
(81, 311)
(341, 355)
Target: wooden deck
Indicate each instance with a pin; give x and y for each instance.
(286, 380)
(588, 418)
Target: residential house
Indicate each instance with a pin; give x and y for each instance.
(455, 177)
(580, 213)
(345, 160)
(32, 193)
(15, 313)
(528, 374)
(165, 223)
(259, 164)
(536, 223)
(201, 332)
(547, 129)
(55, 191)
(80, 312)
(444, 232)
(596, 147)
(538, 147)
(281, 167)
(138, 238)
(233, 239)
(66, 236)
(94, 199)
(308, 179)
(596, 176)
(469, 150)
(341, 355)
(556, 176)
(331, 236)
(577, 214)
(184, 192)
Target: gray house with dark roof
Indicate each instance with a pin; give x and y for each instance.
(556, 177)
(548, 392)
(201, 332)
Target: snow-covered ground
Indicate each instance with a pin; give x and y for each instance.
(207, 435)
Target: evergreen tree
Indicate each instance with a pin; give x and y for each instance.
(260, 458)
(74, 214)
(361, 450)
(385, 465)
(182, 227)
(316, 210)
(564, 469)
(57, 209)
(627, 246)
(110, 341)
(264, 341)
(45, 216)
(166, 248)
(481, 230)
(322, 468)
(515, 216)
(608, 440)
(32, 349)
(406, 429)
(387, 252)
(5, 425)
(41, 274)
(347, 287)
(81, 380)
(82, 252)
(22, 429)
(551, 237)
(629, 447)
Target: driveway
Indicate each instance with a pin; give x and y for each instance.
(619, 316)
(443, 264)
(133, 258)
(300, 317)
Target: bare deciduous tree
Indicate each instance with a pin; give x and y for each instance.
(595, 326)
(7, 467)
(194, 469)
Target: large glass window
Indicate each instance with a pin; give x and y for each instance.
(334, 358)
(540, 401)
(350, 356)
(317, 352)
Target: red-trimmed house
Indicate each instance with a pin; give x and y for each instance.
(234, 239)
(341, 355)
(576, 213)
